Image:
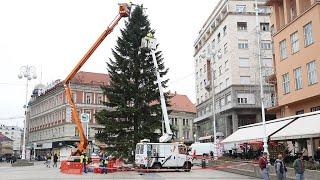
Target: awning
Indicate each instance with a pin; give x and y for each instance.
(255, 132)
(303, 127)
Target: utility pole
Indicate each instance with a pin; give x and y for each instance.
(265, 138)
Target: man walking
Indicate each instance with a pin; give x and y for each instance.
(263, 164)
(298, 166)
(55, 160)
(280, 168)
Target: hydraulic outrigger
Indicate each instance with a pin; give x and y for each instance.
(124, 11)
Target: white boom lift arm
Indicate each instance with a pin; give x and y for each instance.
(150, 42)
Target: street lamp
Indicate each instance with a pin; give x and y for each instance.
(265, 138)
(28, 72)
(215, 152)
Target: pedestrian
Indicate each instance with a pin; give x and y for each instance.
(83, 161)
(263, 164)
(280, 168)
(298, 166)
(48, 160)
(55, 160)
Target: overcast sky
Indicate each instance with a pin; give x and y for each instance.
(53, 35)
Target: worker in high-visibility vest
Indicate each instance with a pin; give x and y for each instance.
(84, 161)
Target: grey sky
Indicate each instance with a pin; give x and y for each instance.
(54, 35)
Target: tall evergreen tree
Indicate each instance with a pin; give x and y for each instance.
(132, 92)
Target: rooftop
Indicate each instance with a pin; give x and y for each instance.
(182, 103)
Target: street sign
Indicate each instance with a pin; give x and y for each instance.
(85, 117)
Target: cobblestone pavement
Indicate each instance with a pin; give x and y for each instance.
(39, 171)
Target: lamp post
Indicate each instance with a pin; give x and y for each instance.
(265, 138)
(215, 152)
(28, 72)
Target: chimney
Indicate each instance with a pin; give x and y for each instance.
(175, 92)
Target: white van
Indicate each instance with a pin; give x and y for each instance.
(202, 149)
(162, 155)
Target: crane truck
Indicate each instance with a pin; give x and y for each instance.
(164, 154)
(124, 11)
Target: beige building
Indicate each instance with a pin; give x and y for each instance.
(183, 112)
(227, 43)
(15, 134)
(49, 121)
(296, 38)
(6, 146)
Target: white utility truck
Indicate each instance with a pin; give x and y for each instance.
(163, 154)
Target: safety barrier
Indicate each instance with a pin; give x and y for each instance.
(71, 167)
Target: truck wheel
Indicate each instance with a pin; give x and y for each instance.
(156, 166)
(187, 166)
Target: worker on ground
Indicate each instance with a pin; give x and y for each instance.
(84, 161)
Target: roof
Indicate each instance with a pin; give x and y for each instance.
(182, 103)
(4, 138)
(91, 78)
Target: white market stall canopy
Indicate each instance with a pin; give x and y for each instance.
(255, 132)
(303, 127)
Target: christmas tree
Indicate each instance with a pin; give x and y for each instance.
(134, 111)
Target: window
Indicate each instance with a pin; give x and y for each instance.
(74, 97)
(265, 45)
(297, 78)
(282, 112)
(227, 82)
(197, 88)
(286, 83)
(186, 134)
(200, 72)
(200, 85)
(240, 8)
(214, 74)
(294, 42)
(243, 44)
(88, 98)
(187, 122)
(183, 122)
(222, 100)
(213, 44)
(225, 48)
(308, 34)
(221, 86)
(267, 62)
(283, 51)
(299, 112)
(197, 75)
(317, 108)
(175, 121)
(264, 26)
(100, 99)
(219, 37)
(204, 68)
(228, 98)
(242, 26)
(244, 62)
(244, 79)
(226, 65)
(312, 72)
(220, 70)
(244, 98)
(224, 30)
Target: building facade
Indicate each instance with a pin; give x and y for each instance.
(227, 45)
(296, 36)
(49, 120)
(183, 112)
(6, 146)
(15, 134)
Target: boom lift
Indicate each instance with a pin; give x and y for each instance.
(124, 11)
(163, 154)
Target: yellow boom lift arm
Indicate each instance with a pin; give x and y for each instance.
(124, 11)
